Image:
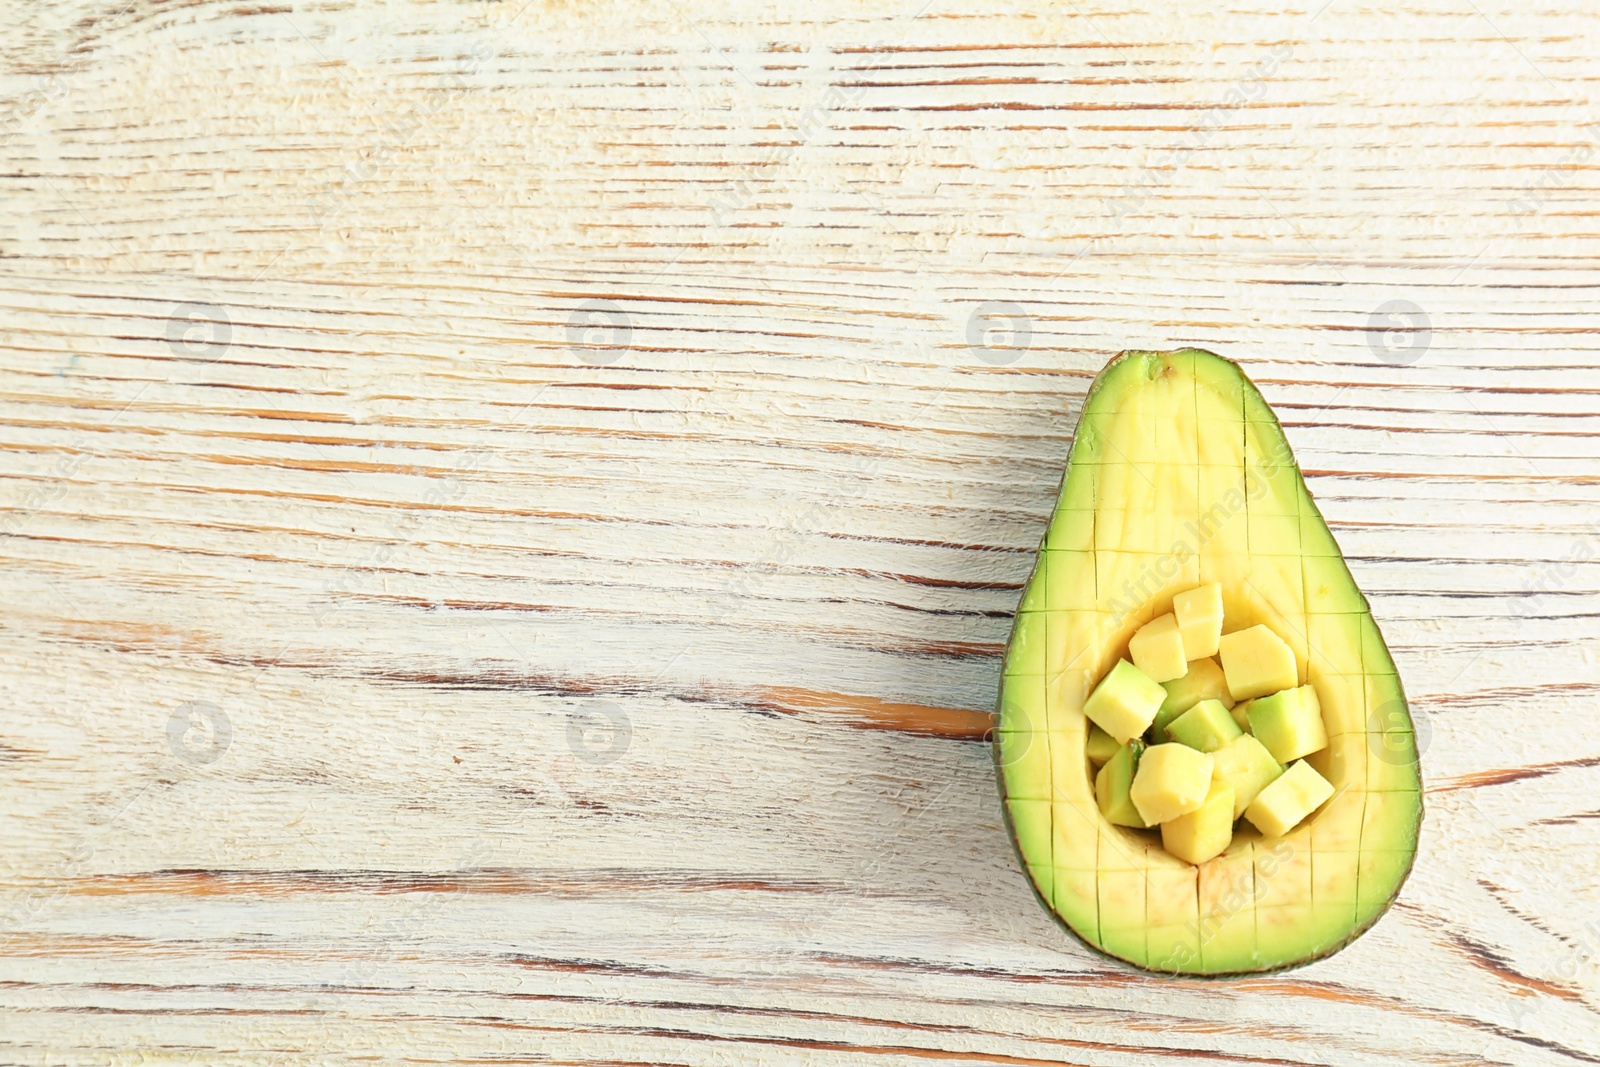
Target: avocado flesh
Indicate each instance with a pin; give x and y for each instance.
(1155, 502)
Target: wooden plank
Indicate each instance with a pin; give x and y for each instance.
(511, 513)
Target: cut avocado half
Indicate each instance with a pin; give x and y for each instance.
(1180, 476)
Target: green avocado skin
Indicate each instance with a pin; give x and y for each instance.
(1266, 904)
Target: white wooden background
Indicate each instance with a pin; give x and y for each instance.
(506, 538)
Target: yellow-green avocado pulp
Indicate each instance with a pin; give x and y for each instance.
(1180, 475)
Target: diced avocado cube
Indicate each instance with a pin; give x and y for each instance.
(1241, 714)
(1199, 615)
(1100, 746)
(1246, 765)
(1124, 702)
(1289, 723)
(1296, 793)
(1202, 682)
(1157, 734)
(1171, 780)
(1204, 832)
(1207, 727)
(1111, 786)
(1256, 662)
(1157, 649)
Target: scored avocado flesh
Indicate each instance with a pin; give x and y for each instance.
(1180, 475)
